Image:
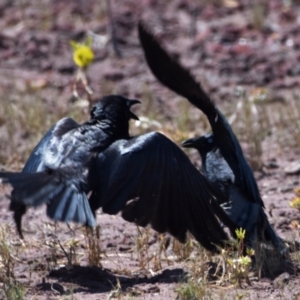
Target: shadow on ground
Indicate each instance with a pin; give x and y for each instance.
(99, 280)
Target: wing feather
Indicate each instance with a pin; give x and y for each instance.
(35, 162)
(169, 72)
(152, 182)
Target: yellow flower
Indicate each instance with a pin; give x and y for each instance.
(240, 233)
(297, 191)
(295, 203)
(83, 55)
(245, 260)
(295, 224)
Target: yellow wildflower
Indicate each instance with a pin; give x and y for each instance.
(295, 203)
(297, 191)
(83, 55)
(240, 233)
(295, 224)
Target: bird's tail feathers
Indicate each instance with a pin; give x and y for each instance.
(65, 202)
(251, 217)
(245, 214)
(170, 72)
(270, 235)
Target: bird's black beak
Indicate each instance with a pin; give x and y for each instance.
(190, 143)
(132, 102)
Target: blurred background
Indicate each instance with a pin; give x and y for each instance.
(245, 53)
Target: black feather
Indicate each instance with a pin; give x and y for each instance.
(247, 207)
(146, 178)
(56, 171)
(167, 191)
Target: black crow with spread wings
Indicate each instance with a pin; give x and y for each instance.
(225, 165)
(56, 172)
(147, 178)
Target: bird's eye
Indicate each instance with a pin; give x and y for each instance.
(209, 140)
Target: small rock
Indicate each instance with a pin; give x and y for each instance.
(285, 189)
(124, 249)
(273, 188)
(272, 165)
(114, 76)
(281, 280)
(66, 69)
(293, 168)
(153, 289)
(55, 287)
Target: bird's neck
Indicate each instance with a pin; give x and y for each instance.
(116, 130)
(204, 153)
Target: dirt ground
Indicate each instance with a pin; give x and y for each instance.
(239, 50)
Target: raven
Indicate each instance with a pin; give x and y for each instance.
(245, 213)
(56, 172)
(222, 149)
(148, 177)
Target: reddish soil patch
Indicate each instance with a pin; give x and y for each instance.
(225, 45)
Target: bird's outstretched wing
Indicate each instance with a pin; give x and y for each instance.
(151, 181)
(35, 185)
(59, 189)
(169, 72)
(35, 162)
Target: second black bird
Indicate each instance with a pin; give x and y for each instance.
(220, 151)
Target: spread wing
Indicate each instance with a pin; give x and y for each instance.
(58, 189)
(35, 162)
(169, 72)
(151, 181)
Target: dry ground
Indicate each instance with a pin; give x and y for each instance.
(247, 57)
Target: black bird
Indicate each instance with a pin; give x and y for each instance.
(56, 172)
(246, 214)
(214, 166)
(148, 178)
(247, 207)
(151, 181)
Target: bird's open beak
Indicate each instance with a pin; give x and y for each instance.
(131, 103)
(190, 143)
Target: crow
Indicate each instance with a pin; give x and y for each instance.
(147, 178)
(56, 172)
(221, 150)
(214, 166)
(246, 214)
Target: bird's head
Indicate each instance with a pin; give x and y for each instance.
(115, 108)
(203, 144)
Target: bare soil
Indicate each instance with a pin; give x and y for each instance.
(228, 45)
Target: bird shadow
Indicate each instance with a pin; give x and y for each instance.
(101, 280)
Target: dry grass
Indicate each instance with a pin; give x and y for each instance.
(26, 114)
(255, 119)
(9, 252)
(208, 275)
(94, 246)
(258, 13)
